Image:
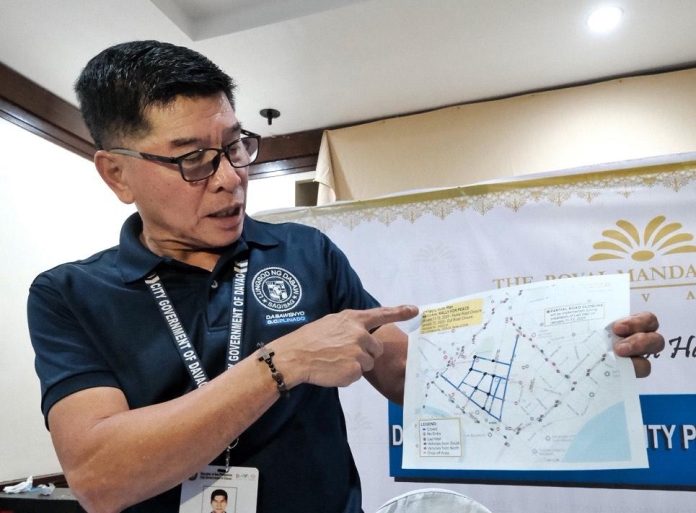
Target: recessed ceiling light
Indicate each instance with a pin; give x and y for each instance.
(605, 19)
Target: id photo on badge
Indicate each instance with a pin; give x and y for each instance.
(222, 500)
(219, 490)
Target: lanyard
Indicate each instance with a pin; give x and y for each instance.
(189, 355)
(187, 352)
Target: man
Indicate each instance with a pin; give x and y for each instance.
(137, 401)
(218, 501)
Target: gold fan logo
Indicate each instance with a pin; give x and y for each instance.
(658, 238)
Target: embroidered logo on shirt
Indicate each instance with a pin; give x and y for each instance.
(277, 289)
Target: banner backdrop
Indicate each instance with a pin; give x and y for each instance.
(433, 246)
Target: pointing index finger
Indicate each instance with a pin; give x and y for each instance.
(374, 318)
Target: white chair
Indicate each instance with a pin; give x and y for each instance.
(432, 500)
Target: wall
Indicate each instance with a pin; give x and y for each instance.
(54, 208)
(274, 192)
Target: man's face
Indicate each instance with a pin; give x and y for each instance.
(218, 503)
(179, 215)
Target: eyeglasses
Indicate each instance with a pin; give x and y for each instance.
(202, 163)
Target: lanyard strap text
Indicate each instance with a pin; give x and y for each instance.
(187, 352)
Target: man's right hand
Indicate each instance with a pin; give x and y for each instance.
(337, 349)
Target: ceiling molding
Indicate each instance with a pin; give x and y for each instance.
(36, 109)
(205, 19)
(39, 111)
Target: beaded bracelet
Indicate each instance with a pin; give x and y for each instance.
(277, 376)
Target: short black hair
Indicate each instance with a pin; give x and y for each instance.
(119, 83)
(217, 492)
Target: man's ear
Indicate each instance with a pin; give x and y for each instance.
(111, 171)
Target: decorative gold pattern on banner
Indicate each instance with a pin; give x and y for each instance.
(657, 238)
(514, 195)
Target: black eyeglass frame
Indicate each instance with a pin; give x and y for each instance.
(181, 158)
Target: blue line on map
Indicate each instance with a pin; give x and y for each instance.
(494, 402)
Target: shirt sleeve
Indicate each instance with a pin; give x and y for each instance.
(66, 360)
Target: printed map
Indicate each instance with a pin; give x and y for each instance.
(523, 378)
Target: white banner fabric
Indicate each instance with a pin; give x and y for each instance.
(429, 247)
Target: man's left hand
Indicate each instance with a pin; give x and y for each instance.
(640, 338)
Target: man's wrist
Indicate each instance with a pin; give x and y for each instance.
(266, 357)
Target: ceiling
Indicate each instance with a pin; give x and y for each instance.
(327, 63)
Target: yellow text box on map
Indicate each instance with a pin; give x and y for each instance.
(455, 315)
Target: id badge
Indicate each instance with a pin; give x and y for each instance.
(214, 490)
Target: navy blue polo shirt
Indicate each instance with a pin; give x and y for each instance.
(95, 323)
